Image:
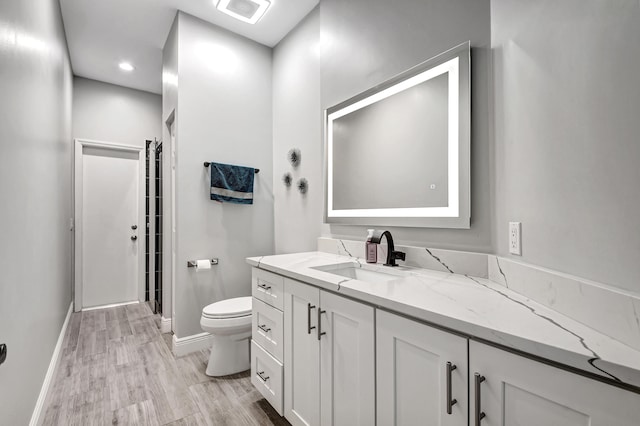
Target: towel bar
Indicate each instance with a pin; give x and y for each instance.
(193, 263)
(206, 164)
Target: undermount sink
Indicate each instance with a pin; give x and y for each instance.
(357, 272)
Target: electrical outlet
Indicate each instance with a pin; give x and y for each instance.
(515, 243)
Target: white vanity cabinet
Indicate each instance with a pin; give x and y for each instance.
(267, 371)
(514, 390)
(329, 358)
(323, 359)
(302, 354)
(347, 362)
(421, 374)
(416, 382)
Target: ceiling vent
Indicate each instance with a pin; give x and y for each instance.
(249, 11)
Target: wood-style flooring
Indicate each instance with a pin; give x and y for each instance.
(116, 368)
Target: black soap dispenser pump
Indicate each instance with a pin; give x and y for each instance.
(371, 248)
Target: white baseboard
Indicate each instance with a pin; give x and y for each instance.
(186, 345)
(48, 378)
(165, 325)
(113, 305)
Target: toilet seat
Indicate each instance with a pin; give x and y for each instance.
(229, 308)
(229, 324)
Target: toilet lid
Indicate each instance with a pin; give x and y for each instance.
(229, 308)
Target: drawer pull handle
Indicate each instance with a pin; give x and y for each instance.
(262, 376)
(479, 414)
(309, 308)
(264, 287)
(320, 332)
(450, 402)
(264, 328)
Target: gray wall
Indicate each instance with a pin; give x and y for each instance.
(224, 98)
(110, 113)
(567, 99)
(554, 128)
(35, 187)
(365, 42)
(169, 113)
(297, 123)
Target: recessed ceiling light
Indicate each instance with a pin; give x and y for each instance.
(249, 11)
(126, 66)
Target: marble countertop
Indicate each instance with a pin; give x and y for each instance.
(473, 306)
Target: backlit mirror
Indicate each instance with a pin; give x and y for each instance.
(398, 154)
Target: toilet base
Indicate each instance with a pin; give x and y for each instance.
(228, 356)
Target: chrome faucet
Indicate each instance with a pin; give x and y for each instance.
(392, 254)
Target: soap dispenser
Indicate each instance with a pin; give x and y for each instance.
(372, 248)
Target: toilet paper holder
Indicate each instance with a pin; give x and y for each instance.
(193, 263)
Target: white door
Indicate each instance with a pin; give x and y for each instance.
(110, 229)
(421, 374)
(519, 391)
(302, 354)
(347, 362)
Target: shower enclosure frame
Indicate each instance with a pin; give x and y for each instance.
(153, 221)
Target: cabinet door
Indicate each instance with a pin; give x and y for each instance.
(413, 378)
(347, 368)
(523, 392)
(302, 352)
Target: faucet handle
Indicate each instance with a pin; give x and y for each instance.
(400, 255)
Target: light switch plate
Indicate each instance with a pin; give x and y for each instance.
(515, 241)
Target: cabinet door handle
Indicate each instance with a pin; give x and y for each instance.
(264, 287)
(479, 414)
(450, 402)
(320, 332)
(262, 376)
(309, 308)
(264, 328)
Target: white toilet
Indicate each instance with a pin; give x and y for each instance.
(229, 323)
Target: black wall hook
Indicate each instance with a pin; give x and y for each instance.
(3, 353)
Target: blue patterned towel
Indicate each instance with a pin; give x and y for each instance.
(232, 184)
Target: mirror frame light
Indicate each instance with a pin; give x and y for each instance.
(457, 214)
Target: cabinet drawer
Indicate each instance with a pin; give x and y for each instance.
(268, 287)
(267, 328)
(266, 376)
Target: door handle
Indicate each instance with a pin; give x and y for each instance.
(264, 328)
(134, 227)
(450, 402)
(264, 287)
(479, 414)
(134, 237)
(320, 332)
(309, 308)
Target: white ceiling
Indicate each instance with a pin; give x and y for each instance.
(102, 33)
